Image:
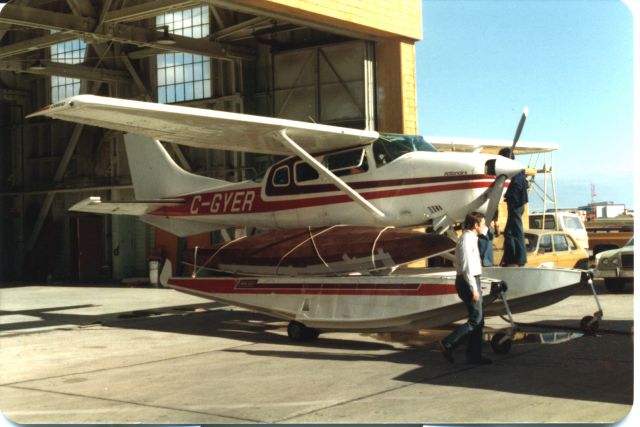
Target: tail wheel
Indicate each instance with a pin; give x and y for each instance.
(298, 332)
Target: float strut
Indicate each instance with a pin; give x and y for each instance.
(597, 316)
(500, 288)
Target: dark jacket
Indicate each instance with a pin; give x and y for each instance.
(516, 194)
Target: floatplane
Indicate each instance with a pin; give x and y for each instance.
(341, 200)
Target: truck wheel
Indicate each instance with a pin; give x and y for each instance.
(614, 285)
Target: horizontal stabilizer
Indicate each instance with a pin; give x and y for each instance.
(122, 207)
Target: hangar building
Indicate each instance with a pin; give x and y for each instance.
(341, 62)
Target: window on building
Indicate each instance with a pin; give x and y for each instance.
(184, 76)
(71, 52)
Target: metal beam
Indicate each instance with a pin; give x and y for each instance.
(149, 9)
(68, 70)
(233, 29)
(86, 28)
(82, 8)
(35, 44)
(44, 19)
(299, 21)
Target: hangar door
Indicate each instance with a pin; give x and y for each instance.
(331, 84)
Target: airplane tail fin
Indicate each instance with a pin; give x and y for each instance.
(154, 173)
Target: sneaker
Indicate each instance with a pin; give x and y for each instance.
(480, 361)
(447, 352)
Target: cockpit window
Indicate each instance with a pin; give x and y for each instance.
(391, 146)
(347, 162)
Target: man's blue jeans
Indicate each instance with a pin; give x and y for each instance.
(473, 328)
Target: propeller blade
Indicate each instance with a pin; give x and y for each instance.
(494, 194)
(523, 118)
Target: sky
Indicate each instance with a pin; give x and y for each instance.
(571, 62)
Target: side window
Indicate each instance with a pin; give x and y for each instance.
(347, 162)
(572, 244)
(545, 243)
(535, 222)
(560, 242)
(281, 176)
(549, 223)
(304, 172)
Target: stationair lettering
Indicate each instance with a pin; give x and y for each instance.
(222, 203)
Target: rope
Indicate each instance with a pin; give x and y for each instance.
(373, 248)
(318, 253)
(302, 243)
(195, 273)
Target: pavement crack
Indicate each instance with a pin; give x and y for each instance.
(113, 368)
(147, 405)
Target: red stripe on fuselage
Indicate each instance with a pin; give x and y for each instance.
(249, 200)
(252, 287)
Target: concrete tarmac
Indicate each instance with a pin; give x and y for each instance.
(112, 354)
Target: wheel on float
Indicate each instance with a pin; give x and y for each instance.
(298, 332)
(587, 327)
(501, 343)
(295, 330)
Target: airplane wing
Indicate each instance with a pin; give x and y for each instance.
(202, 128)
(488, 146)
(134, 207)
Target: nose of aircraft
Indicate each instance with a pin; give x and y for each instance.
(507, 167)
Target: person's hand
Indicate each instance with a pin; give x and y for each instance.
(475, 297)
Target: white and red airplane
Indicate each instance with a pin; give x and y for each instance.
(332, 176)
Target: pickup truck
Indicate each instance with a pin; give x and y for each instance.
(606, 237)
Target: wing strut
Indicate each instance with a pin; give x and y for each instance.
(328, 174)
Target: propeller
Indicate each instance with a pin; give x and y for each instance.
(493, 195)
(523, 118)
(494, 192)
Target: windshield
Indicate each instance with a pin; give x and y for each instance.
(572, 223)
(630, 242)
(391, 146)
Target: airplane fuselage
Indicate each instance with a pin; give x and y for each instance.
(411, 190)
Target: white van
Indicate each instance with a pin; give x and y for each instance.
(564, 221)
